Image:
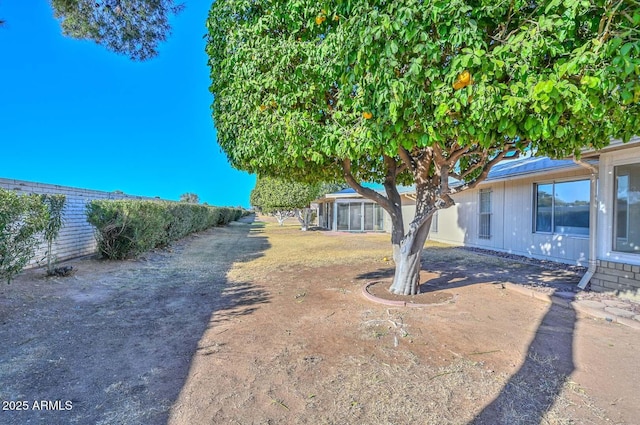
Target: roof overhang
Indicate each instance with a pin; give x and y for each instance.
(614, 145)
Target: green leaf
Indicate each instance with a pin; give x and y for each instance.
(394, 47)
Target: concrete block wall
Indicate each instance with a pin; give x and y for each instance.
(622, 279)
(76, 237)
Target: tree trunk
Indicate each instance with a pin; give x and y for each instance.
(304, 217)
(407, 254)
(280, 216)
(408, 250)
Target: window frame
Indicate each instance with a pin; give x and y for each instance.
(434, 222)
(487, 215)
(614, 210)
(534, 211)
(378, 216)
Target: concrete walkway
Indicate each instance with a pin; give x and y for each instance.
(598, 305)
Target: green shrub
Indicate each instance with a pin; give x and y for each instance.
(126, 228)
(55, 206)
(22, 219)
(228, 214)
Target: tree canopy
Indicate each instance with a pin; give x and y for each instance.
(129, 27)
(415, 92)
(300, 86)
(284, 198)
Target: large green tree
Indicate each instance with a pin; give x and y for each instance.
(416, 92)
(284, 198)
(129, 27)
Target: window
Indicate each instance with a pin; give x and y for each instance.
(355, 216)
(562, 208)
(373, 217)
(343, 216)
(359, 216)
(485, 214)
(626, 214)
(434, 222)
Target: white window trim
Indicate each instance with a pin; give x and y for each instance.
(362, 203)
(606, 199)
(620, 256)
(534, 208)
(483, 214)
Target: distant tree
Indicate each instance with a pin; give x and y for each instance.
(128, 27)
(332, 187)
(283, 198)
(190, 197)
(415, 92)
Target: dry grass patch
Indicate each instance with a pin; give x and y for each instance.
(290, 249)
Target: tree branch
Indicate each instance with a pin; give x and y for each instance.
(487, 167)
(364, 191)
(406, 159)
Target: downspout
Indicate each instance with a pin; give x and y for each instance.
(593, 220)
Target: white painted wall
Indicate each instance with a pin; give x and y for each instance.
(76, 237)
(606, 197)
(511, 221)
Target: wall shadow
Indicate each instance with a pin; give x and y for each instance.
(534, 388)
(118, 340)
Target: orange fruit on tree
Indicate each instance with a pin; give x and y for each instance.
(367, 115)
(464, 79)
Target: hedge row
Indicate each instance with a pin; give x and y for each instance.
(126, 228)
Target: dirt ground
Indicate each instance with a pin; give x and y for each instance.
(260, 324)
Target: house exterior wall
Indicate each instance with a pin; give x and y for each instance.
(76, 237)
(616, 271)
(623, 279)
(512, 213)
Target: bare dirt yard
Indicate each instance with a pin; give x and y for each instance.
(259, 324)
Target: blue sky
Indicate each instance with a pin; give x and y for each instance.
(73, 113)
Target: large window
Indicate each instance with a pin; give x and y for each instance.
(626, 215)
(485, 214)
(359, 216)
(562, 208)
(343, 216)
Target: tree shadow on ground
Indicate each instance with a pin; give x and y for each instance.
(455, 267)
(531, 391)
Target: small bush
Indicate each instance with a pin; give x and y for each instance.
(22, 220)
(55, 206)
(126, 228)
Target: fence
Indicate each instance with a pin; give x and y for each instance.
(76, 237)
